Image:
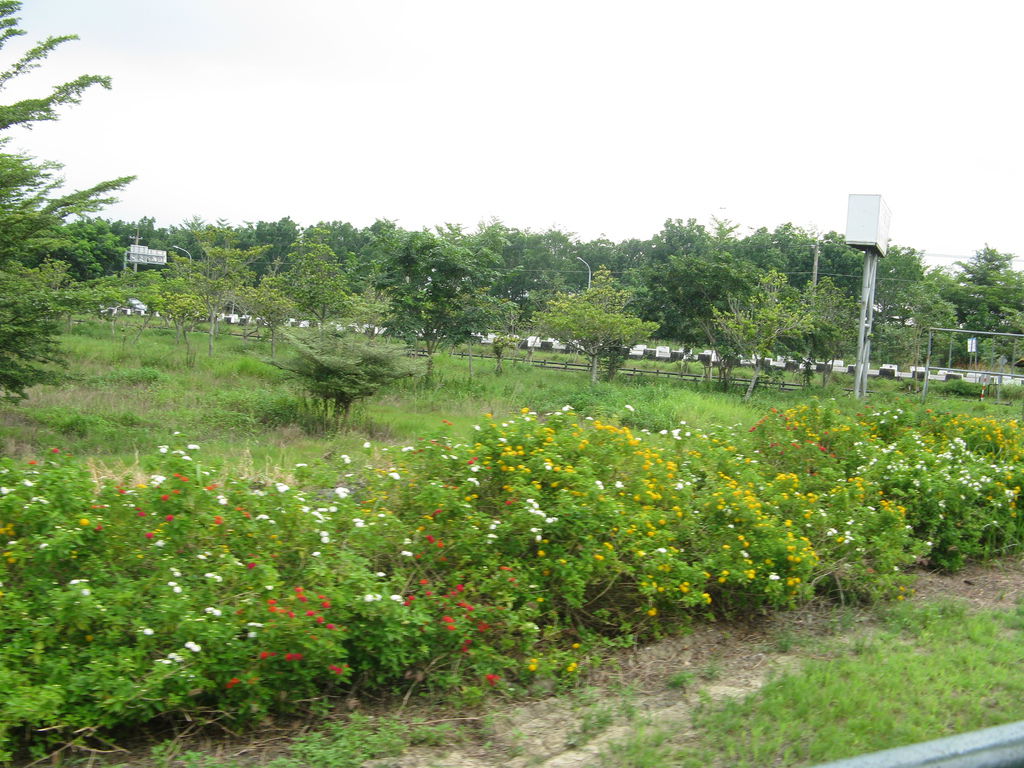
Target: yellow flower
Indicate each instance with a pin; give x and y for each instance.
(84, 521)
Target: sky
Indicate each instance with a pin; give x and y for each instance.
(599, 118)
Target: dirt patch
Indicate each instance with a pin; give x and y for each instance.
(993, 586)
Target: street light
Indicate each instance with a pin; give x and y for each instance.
(177, 248)
(588, 270)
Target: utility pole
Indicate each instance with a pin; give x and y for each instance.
(814, 269)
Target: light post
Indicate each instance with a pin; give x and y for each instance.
(177, 248)
(580, 258)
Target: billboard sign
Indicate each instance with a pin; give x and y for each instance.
(140, 254)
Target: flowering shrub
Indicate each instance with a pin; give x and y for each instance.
(465, 566)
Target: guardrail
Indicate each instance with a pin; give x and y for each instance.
(998, 747)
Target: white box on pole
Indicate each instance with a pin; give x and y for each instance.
(867, 223)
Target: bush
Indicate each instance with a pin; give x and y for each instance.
(464, 567)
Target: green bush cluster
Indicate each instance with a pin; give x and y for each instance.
(463, 566)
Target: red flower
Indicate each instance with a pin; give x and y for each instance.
(165, 497)
(233, 682)
(311, 613)
(250, 566)
(293, 657)
(149, 535)
(169, 518)
(336, 669)
(330, 626)
(141, 513)
(459, 587)
(267, 654)
(55, 450)
(447, 619)
(218, 520)
(492, 679)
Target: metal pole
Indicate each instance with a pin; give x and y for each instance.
(588, 270)
(927, 366)
(175, 247)
(867, 312)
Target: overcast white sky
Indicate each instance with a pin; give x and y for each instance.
(596, 117)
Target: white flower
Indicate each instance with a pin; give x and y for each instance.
(405, 553)
(314, 554)
(44, 545)
(381, 574)
(281, 487)
(566, 408)
(27, 483)
(192, 447)
(394, 476)
(157, 479)
(773, 577)
(4, 491)
(163, 448)
(194, 647)
(366, 444)
(346, 458)
(371, 598)
(86, 592)
(159, 543)
(147, 631)
(397, 598)
(342, 492)
(629, 408)
(213, 611)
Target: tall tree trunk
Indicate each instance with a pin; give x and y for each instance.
(593, 369)
(753, 381)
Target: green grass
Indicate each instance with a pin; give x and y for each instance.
(932, 671)
(125, 392)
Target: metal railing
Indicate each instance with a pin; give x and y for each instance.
(998, 747)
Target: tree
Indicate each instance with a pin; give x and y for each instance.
(87, 245)
(315, 280)
(27, 338)
(595, 322)
(754, 324)
(269, 305)
(218, 275)
(831, 328)
(988, 290)
(32, 209)
(338, 369)
(437, 283)
(692, 271)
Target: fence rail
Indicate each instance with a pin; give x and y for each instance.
(567, 365)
